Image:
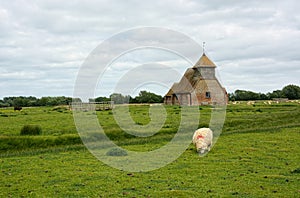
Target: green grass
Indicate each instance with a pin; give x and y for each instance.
(257, 155)
(53, 121)
(243, 118)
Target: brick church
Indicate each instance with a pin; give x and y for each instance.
(198, 86)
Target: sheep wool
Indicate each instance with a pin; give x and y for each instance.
(202, 139)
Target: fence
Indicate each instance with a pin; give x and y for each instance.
(92, 106)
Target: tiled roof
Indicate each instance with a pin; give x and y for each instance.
(204, 61)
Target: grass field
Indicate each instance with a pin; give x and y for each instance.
(257, 155)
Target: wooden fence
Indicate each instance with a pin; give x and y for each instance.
(92, 106)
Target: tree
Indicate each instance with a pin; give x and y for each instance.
(9, 100)
(3, 104)
(246, 95)
(148, 97)
(119, 98)
(231, 96)
(291, 92)
(263, 96)
(102, 99)
(275, 94)
(75, 100)
(22, 101)
(132, 100)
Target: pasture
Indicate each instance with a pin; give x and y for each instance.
(257, 155)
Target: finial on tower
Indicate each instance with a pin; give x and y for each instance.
(203, 47)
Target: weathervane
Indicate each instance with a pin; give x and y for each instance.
(203, 47)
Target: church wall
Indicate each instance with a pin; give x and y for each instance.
(216, 92)
(168, 100)
(200, 91)
(207, 72)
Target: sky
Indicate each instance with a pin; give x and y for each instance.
(44, 44)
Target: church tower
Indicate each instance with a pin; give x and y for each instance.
(206, 68)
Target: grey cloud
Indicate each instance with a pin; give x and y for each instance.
(50, 39)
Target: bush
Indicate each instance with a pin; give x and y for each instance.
(31, 130)
(296, 171)
(116, 152)
(60, 108)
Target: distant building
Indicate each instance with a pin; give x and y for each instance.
(198, 86)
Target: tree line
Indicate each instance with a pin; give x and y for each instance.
(290, 91)
(143, 97)
(31, 101)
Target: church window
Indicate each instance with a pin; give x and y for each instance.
(207, 94)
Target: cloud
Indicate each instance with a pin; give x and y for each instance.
(255, 44)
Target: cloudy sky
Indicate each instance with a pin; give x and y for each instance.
(43, 44)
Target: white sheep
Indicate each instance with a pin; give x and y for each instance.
(202, 139)
(250, 102)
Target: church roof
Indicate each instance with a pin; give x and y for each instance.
(171, 91)
(187, 83)
(190, 79)
(204, 61)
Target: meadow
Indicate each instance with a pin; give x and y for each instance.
(257, 155)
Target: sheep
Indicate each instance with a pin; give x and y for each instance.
(202, 139)
(250, 102)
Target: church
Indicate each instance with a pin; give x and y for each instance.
(198, 86)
